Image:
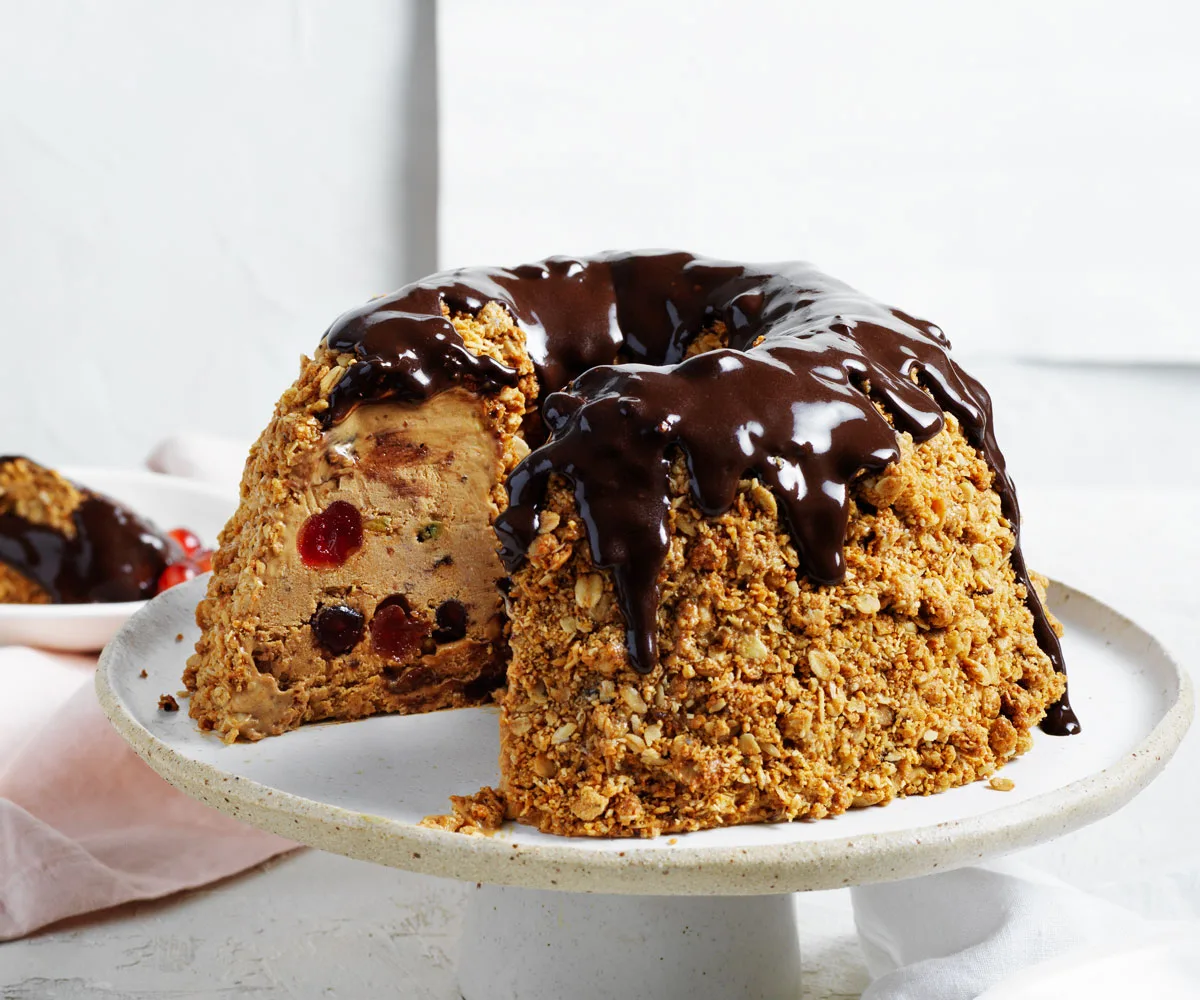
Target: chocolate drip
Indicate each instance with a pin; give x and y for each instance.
(114, 556)
(791, 400)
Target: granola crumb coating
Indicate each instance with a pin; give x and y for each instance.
(482, 813)
(40, 496)
(251, 676)
(775, 699)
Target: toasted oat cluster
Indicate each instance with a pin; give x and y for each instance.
(16, 588)
(38, 495)
(482, 813)
(776, 700)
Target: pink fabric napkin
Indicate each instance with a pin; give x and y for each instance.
(84, 823)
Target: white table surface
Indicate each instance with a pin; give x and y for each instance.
(1111, 505)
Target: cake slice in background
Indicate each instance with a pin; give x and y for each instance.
(62, 543)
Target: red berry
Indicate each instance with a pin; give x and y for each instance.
(187, 540)
(203, 560)
(175, 574)
(331, 537)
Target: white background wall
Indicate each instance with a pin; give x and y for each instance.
(189, 193)
(1024, 173)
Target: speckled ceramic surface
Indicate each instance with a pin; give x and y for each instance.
(361, 788)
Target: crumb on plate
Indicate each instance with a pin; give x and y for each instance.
(481, 813)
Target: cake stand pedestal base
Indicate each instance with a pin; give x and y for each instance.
(539, 945)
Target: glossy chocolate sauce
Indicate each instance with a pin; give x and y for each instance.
(790, 401)
(114, 556)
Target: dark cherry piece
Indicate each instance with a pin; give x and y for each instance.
(329, 538)
(338, 628)
(451, 618)
(397, 632)
(608, 336)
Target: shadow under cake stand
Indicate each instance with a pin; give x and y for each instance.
(700, 914)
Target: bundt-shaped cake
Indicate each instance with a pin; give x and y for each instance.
(63, 544)
(729, 543)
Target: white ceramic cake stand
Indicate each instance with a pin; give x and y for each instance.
(701, 914)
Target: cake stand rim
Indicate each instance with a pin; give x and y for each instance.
(646, 867)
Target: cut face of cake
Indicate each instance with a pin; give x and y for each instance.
(730, 543)
(61, 543)
(360, 572)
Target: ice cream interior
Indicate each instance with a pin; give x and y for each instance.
(421, 584)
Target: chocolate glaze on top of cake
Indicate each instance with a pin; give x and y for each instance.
(791, 400)
(114, 556)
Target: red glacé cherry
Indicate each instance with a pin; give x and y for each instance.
(331, 537)
(175, 574)
(187, 540)
(396, 632)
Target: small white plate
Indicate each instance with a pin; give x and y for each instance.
(167, 501)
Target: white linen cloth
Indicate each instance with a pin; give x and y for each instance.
(84, 823)
(965, 934)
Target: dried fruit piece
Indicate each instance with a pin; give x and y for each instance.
(338, 628)
(429, 532)
(329, 538)
(396, 630)
(451, 618)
